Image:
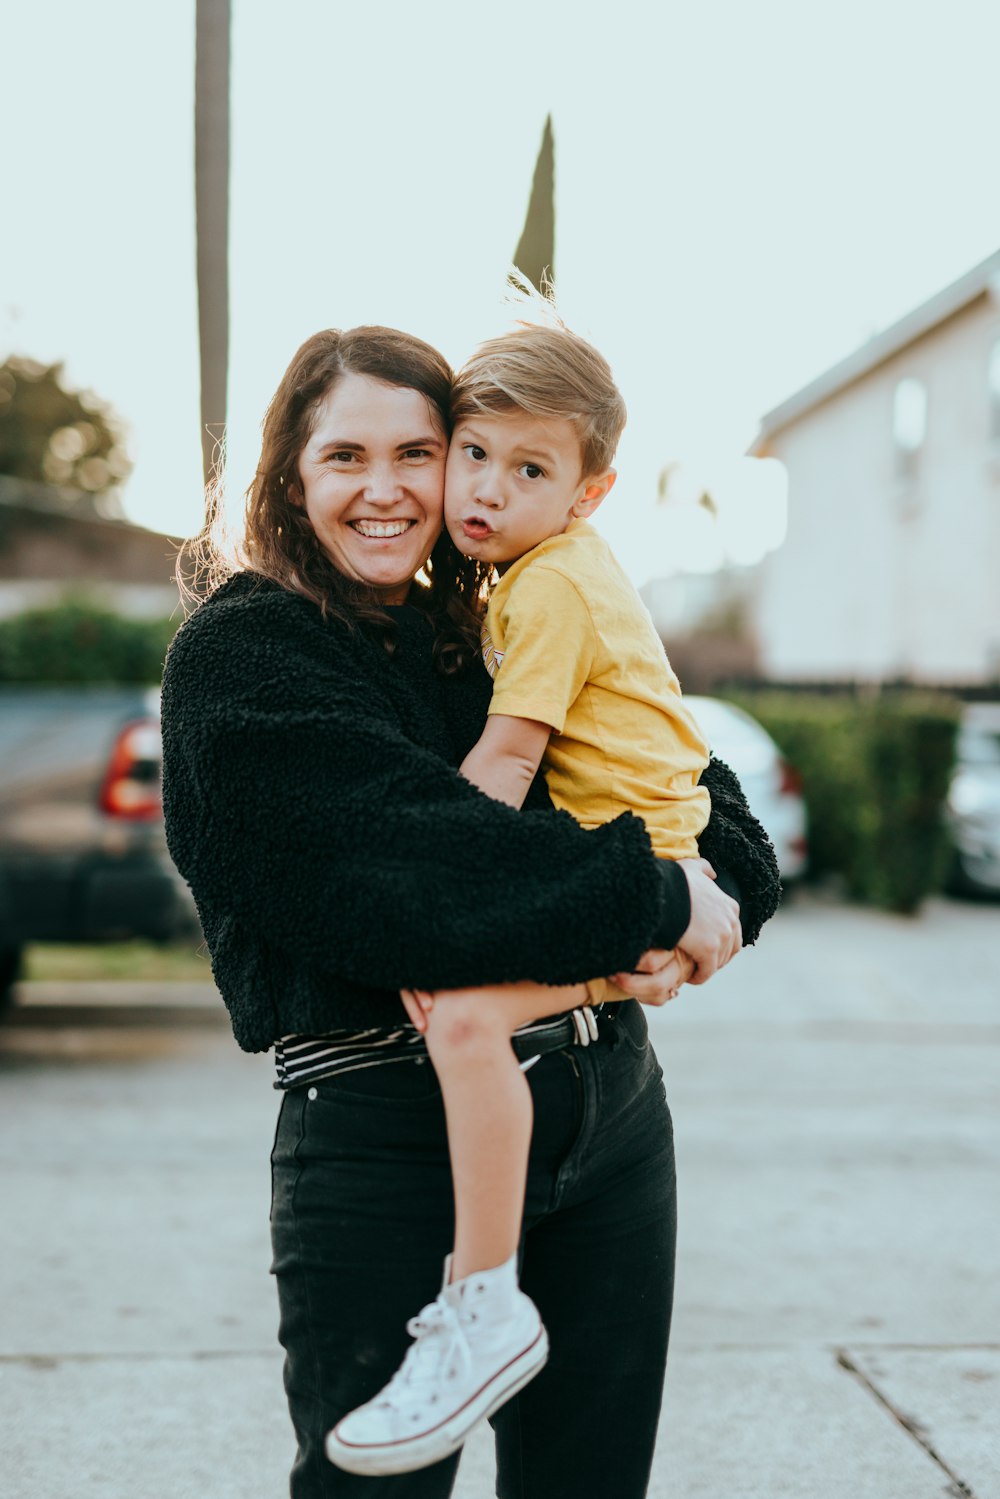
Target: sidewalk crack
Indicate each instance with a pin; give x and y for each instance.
(958, 1488)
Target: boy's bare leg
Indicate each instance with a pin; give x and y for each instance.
(430, 1403)
(434, 1398)
(488, 1108)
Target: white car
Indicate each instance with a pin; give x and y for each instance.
(772, 786)
(974, 800)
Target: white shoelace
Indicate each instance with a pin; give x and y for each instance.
(440, 1341)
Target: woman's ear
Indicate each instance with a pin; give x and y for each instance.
(594, 491)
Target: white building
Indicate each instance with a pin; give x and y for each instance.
(891, 566)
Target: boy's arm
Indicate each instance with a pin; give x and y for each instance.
(549, 645)
(505, 760)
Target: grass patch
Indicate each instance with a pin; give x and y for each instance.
(56, 962)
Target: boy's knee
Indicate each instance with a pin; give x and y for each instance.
(462, 1023)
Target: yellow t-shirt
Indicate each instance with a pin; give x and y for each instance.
(569, 642)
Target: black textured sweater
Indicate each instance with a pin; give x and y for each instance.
(312, 802)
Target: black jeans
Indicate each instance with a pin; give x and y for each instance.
(362, 1219)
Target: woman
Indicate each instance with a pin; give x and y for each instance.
(314, 710)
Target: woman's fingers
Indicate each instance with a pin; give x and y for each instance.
(687, 964)
(653, 960)
(660, 985)
(418, 1006)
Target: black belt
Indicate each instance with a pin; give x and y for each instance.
(578, 1028)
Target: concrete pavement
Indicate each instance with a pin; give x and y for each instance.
(838, 1315)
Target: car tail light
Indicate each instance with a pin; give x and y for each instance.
(131, 787)
(790, 783)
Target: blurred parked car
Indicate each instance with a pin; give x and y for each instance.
(772, 786)
(974, 801)
(83, 854)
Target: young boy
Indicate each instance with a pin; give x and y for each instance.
(581, 685)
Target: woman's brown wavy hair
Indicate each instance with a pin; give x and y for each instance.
(278, 540)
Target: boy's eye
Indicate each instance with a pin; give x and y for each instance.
(532, 471)
(476, 453)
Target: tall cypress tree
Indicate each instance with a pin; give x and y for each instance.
(536, 251)
(211, 171)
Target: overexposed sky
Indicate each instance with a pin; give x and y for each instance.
(744, 193)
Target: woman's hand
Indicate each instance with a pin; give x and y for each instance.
(658, 977)
(418, 1005)
(713, 935)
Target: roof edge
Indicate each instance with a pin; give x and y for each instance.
(881, 347)
(40, 499)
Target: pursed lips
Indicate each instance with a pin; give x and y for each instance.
(475, 526)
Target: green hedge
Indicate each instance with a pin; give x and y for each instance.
(80, 641)
(875, 774)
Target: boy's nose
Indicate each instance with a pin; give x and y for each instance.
(488, 494)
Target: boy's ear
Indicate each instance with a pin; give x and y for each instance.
(594, 491)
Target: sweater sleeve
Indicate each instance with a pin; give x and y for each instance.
(739, 849)
(303, 808)
(676, 915)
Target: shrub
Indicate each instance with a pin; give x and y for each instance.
(79, 641)
(875, 773)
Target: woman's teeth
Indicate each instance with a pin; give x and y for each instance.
(382, 528)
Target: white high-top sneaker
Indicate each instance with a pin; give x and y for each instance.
(480, 1342)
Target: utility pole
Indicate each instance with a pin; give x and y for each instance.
(211, 172)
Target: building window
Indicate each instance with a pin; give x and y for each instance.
(994, 378)
(909, 424)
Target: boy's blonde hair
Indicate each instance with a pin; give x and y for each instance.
(546, 371)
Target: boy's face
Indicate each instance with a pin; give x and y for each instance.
(512, 481)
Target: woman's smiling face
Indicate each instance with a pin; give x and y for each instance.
(371, 481)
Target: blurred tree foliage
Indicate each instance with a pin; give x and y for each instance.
(65, 438)
(79, 641)
(535, 256)
(875, 775)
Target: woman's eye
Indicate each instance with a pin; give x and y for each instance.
(342, 457)
(532, 471)
(417, 453)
